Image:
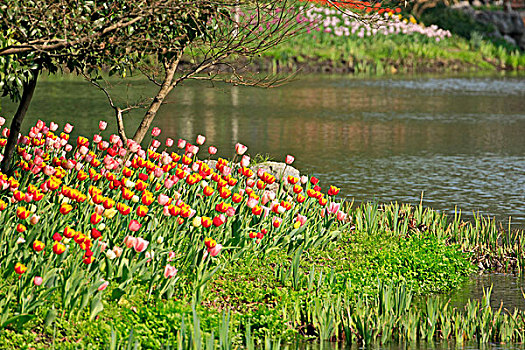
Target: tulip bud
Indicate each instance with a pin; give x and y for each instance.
(37, 281)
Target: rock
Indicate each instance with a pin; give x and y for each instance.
(522, 42)
(477, 3)
(518, 27)
(277, 169)
(510, 40)
(502, 22)
(461, 5)
(274, 168)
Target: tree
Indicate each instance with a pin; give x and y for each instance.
(123, 36)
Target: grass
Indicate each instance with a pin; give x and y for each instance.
(379, 55)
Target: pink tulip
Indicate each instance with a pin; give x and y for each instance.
(102, 125)
(134, 225)
(103, 286)
(212, 150)
(158, 172)
(240, 149)
(334, 207)
(168, 183)
(245, 161)
(141, 245)
(155, 143)
(200, 139)
(37, 281)
(49, 170)
(264, 198)
(122, 152)
(251, 202)
(166, 211)
(155, 132)
(171, 256)
(129, 241)
(169, 142)
(289, 159)
(341, 216)
(226, 171)
(181, 143)
(2, 121)
(53, 126)
(304, 179)
(114, 139)
(215, 250)
(68, 128)
(163, 199)
(170, 271)
(97, 139)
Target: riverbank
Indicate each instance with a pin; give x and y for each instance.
(441, 40)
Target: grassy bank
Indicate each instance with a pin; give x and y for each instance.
(336, 43)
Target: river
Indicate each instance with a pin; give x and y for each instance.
(459, 141)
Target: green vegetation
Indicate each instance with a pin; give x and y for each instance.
(381, 55)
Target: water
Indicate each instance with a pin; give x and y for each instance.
(506, 291)
(459, 141)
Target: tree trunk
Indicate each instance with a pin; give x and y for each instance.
(16, 123)
(166, 87)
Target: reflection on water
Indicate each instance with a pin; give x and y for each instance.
(461, 141)
(506, 291)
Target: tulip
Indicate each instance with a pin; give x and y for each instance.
(170, 271)
(169, 142)
(20, 268)
(102, 125)
(37, 281)
(197, 221)
(245, 161)
(117, 251)
(240, 149)
(20, 240)
(140, 245)
(68, 128)
(53, 126)
(200, 140)
(252, 202)
(214, 251)
(59, 248)
(333, 207)
(289, 159)
(103, 286)
(155, 132)
(38, 246)
(110, 254)
(212, 150)
(134, 225)
(129, 241)
(181, 143)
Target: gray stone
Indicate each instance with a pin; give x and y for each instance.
(517, 23)
(522, 42)
(461, 5)
(477, 3)
(502, 22)
(277, 169)
(510, 40)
